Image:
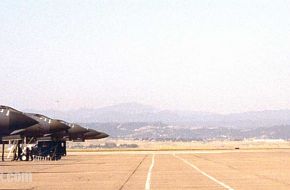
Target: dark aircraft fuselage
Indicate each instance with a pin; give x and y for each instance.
(13, 120)
(79, 133)
(45, 126)
(98, 135)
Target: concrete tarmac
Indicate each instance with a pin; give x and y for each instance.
(133, 170)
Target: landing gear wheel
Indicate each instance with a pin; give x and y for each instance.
(23, 157)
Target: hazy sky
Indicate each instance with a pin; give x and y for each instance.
(217, 56)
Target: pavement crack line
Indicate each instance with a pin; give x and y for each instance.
(132, 173)
(148, 180)
(204, 173)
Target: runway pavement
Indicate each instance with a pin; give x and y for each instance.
(258, 169)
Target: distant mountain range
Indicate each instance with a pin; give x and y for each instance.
(161, 131)
(135, 112)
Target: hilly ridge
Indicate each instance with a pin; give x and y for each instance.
(135, 112)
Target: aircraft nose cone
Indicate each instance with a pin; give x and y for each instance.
(95, 135)
(18, 120)
(103, 135)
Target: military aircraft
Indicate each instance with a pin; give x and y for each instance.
(54, 146)
(49, 135)
(45, 126)
(78, 133)
(12, 121)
